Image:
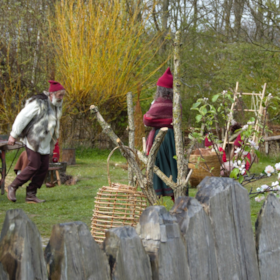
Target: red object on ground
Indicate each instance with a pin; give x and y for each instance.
(56, 152)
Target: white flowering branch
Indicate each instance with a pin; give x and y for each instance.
(263, 189)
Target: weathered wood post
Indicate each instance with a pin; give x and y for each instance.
(164, 244)
(196, 229)
(128, 258)
(228, 205)
(131, 133)
(21, 252)
(73, 254)
(180, 189)
(3, 274)
(267, 238)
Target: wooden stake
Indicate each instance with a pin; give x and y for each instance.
(131, 132)
(180, 189)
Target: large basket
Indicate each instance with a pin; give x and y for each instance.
(115, 206)
(201, 169)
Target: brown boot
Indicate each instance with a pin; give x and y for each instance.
(50, 185)
(11, 194)
(32, 198)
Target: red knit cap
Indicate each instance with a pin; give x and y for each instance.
(166, 80)
(55, 86)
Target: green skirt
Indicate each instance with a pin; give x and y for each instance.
(166, 163)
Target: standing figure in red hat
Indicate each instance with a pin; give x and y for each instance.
(37, 124)
(160, 115)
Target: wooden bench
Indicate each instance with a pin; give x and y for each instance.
(55, 170)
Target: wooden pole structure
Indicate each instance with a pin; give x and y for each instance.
(180, 189)
(145, 182)
(131, 132)
(266, 145)
(231, 110)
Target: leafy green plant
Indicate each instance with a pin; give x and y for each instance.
(218, 113)
(160, 202)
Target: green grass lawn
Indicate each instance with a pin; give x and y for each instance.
(257, 168)
(76, 203)
(67, 203)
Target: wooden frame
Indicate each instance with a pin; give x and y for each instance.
(259, 111)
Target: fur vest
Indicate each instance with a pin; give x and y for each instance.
(39, 127)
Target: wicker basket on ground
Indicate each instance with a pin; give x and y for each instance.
(116, 205)
(201, 162)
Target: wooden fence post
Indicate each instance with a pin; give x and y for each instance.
(131, 132)
(180, 189)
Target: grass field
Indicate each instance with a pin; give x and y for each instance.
(75, 203)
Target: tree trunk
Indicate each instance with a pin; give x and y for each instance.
(228, 6)
(238, 11)
(257, 14)
(165, 15)
(177, 120)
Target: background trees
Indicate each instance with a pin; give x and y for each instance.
(101, 50)
(101, 53)
(25, 58)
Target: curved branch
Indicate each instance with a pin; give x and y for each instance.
(155, 19)
(105, 126)
(168, 181)
(153, 153)
(129, 154)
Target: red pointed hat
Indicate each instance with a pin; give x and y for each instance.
(55, 86)
(166, 80)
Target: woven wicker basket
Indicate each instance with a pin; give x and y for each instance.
(201, 170)
(115, 206)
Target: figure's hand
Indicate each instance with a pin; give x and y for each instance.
(11, 140)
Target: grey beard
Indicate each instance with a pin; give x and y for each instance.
(56, 103)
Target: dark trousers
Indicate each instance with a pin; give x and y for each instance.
(36, 169)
